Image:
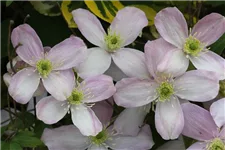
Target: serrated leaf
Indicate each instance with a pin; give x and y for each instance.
(219, 45)
(8, 3)
(47, 8)
(15, 146)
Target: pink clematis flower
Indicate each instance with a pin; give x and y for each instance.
(79, 103)
(206, 127)
(70, 138)
(124, 29)
(165, 89)
(172, 26)
(52, 68)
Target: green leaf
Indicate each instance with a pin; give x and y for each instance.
(219, 45)
(26, 139)
(5, 145)
(15, 146)
(46, 8)
(39, 128)
(8, 3)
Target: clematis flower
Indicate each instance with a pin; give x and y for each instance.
(79, 102)
(172, 26)
(52, 68)
(70, 138)
(164, 89)
(206, 127)
(124, 29)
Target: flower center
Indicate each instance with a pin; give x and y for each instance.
(165, 91)
(113, 41)
(44, 67)
(216, 144)
(100, 138)
(76, 97)
(193, 46)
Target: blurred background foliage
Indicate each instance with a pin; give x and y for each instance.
(53, 22)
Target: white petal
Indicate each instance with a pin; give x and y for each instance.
(131, 62)
(65, 138)
(169, 120)
(97, 147)
(217, 111)
(96, 63)
(7, 78)
(23, 85)
(85, 120)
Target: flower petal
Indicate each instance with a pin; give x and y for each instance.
(222, 133)
(85, 120)
(104, 111)
(23, 85)
(133, 92)
(97, 88)
(172, 26)
(130, 120)
(67, 54)
(30, 49)
(199, 124)
(154, 53)
(65, 138)
(50, 110)
(210, 28)
(142, 141)
(7, 78)
(210, 61)
(115, 72)
(198, 146)
(174, 63)
(131, 62)
(89, 26)
(96, 63)
(60, 84)
(192, 84)
(217, 110)
(129, 23)
(169, 120)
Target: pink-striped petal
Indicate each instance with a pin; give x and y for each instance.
(23, 85)
(172, 26)
(198, 123)
(29, 46)
(89, 26)
(217, 110)
(210, 28)
(129, 23)
(67, 54)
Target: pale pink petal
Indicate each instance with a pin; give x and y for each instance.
(23, 85)
(131, 62)
(199, 124)
(217, 110)
(104, 111)
(169, 120)
(172, 26)
(7, 78)
(142, 141)
(115, 72)
(130, 120)
(222, 133)
(30, 49)
(60, 84)
(210, 28)
(197, 85)
(89, 26)
(210, 61)
(174, 63)
(96, 63)
(65, 138)
(97, 88)
(154, 53)
(133, 92)
(14, 61)
(67, 54)
(129, 23)
(50, 110)
(85, 120)
(97, 147)
(198, 146)
(40, 90)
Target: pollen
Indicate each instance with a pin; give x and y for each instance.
(165, 91)
(76, 97)
(44, 67)
(193, 46)
(100, 138)
(113, 41)
(216, 144)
